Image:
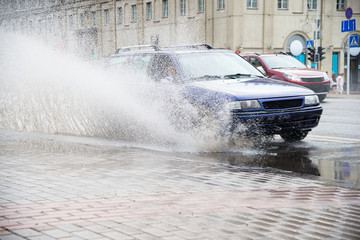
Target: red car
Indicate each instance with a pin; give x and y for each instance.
(287, 68)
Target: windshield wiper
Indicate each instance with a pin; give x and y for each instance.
(283, 67)
(206, 77)
(238, 75)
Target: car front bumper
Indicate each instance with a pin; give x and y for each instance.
(275, 122)
(319, 89)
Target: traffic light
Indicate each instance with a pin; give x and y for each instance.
(321, 53)
(317, 57)
(311, 54)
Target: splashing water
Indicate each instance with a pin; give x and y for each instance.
(43, 90)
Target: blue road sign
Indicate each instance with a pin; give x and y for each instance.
(309, 44)
(348, 25)
(348, 13)
(354, 41)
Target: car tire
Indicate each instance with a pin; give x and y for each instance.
(322, 97)
(294, 135)
(208, 124)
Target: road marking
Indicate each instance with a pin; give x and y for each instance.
(333, 139)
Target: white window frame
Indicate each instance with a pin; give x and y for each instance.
(81, 19)
(31, 26)
(93, 16)
(71, 22)
(312, 4)
(120, 15)
(251, 4)
(340, 5)
(221, 4)
(133, 13)
(165, 8)
(283, 4)
(106, 17)
(201, 6)
(148, 10)
(182, 7)
(50, 24)
(40, 26)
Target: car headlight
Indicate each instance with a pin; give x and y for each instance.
(311, 100)
(247, 104)
(292, 77)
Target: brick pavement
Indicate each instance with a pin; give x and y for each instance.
(56, 189)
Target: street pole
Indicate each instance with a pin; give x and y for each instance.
(348, 67)
(317, 22)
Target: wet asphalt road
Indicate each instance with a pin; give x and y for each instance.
(59, 187)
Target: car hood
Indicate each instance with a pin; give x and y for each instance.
(302, 72)
(251, 88)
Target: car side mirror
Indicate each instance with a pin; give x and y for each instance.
(261, 69)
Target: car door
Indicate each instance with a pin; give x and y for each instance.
(163, 69)
(256, 62)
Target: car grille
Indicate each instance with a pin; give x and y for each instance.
(312, 79)
(283, 104)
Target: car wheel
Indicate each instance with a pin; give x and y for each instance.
(322, 97)
(294, 135)
(208, 124)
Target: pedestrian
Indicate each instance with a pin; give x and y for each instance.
(340, 83)
(333, 83)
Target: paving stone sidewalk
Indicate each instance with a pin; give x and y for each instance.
(53, 189)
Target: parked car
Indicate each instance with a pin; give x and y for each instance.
(287, 68)
(220, 80)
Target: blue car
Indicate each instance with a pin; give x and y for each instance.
(221, 82)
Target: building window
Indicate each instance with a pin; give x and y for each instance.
(31, 26)
(312, 4)
(201, 6)
(133, 13)
(93, 14)
(340, 4)
(39, 26)
(60, 23)
(49, 25)
(182, 7)
(82, 19)
(165, 8)
(107, 17)
(282, 4)
(251, 4)
(71, 22)
(221, 4)
(148, 11)
(120, 15)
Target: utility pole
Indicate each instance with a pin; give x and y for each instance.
(317, 22)
(348, 66)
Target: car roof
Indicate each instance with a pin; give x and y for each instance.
(265, 54)
(195, 48)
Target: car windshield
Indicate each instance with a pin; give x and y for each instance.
(214, 65)
(282, 61)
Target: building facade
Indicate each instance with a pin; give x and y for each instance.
(95, 28)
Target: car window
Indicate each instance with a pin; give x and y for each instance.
(118, 61)
(196, 65)
(282, 61)
(255, 62)
(163, 68)
(140, 63)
